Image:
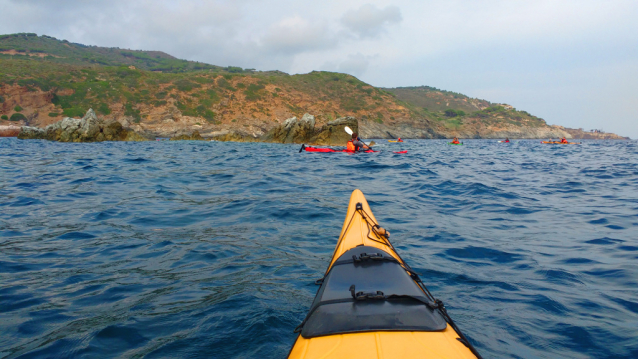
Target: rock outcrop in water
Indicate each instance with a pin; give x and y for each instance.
(195, 136)
(87, 129)
(304, 131)
(9, 131)
(292, 130)
(234, 136)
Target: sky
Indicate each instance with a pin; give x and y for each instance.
(573, 63)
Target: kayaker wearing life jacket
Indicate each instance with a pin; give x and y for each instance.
(507, 140)
(455, 141)
(399, 139)
(355, 143)
(564, 140)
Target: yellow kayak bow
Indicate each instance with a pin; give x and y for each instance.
(371, 304)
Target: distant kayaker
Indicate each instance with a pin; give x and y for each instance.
(355, 143)
(507, 140)
(564, 140)
(456, 141)
(399, 139)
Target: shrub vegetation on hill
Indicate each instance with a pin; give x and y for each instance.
(79, 77)
(17, 117)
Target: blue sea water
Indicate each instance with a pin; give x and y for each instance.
(210, 249)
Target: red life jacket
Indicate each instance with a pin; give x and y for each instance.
(351, 147)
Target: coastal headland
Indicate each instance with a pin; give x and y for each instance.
(44, 81)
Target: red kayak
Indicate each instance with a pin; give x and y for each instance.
(325, 150)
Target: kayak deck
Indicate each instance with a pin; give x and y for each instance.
(387, 345)
(439, 342)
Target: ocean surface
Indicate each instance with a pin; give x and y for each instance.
(210, 249)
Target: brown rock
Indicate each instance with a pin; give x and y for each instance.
(333, 133)
(9, 131)
(233, 136)
(304, 131)
(195, 136)
(87, 129)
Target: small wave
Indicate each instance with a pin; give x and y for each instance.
(605, 241)
(559, 276)
(136, 160)
(482, 253)
(25, 201)
(76, 235)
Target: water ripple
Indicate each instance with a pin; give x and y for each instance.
(208, 249)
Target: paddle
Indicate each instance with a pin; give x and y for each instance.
(350, 132)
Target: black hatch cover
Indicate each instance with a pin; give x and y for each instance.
(368, 290)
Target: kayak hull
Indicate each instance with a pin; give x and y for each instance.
(560, 143)
(331, 150)
(385, 344)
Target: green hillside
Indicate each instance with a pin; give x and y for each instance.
(64, 52)
(435, 100)
(151, 86)
(78, 85)
(456, 110)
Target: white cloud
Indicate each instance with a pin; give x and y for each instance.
(355, 64)
(295, 35)
(369, 21)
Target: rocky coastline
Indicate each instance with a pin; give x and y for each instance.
(579, 133)
(92, 129)
(87, 129)
(293, 130)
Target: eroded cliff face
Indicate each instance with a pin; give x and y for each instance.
(36, 106)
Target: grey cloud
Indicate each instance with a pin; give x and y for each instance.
(355, 64)
(294, 35)
(370, 21)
